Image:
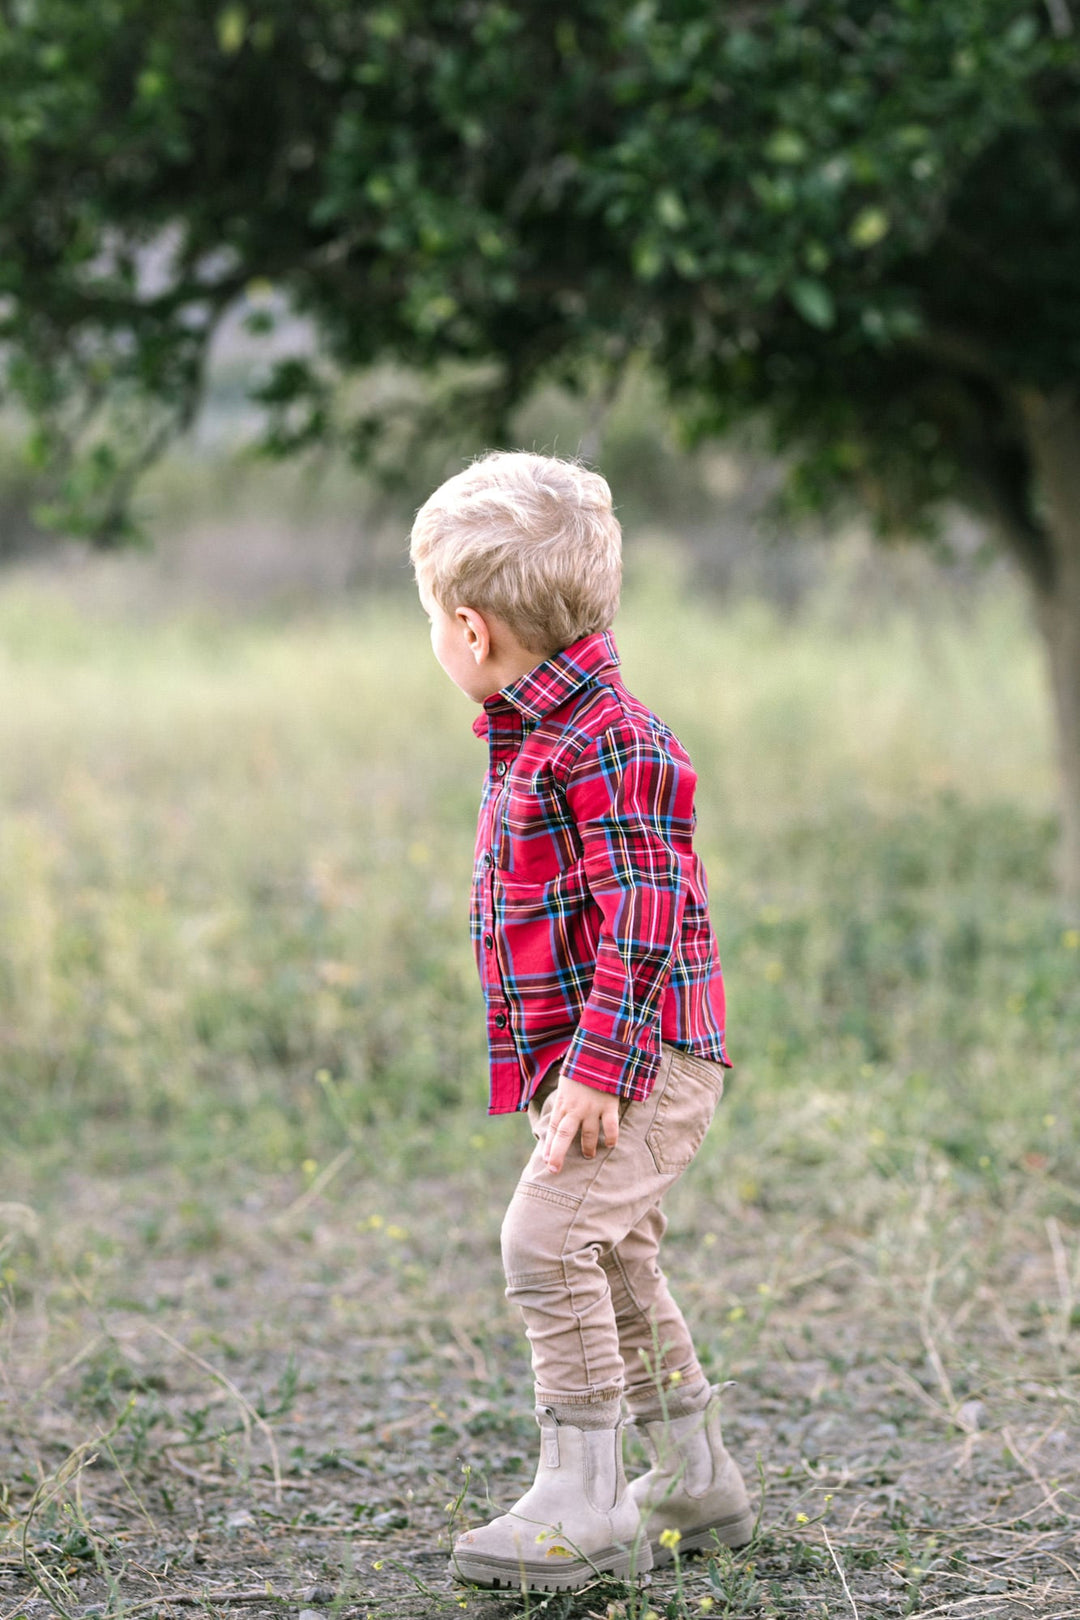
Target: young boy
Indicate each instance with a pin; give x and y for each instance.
(605, 1017)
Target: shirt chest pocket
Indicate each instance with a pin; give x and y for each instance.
(538, 837)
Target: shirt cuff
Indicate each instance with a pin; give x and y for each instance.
(623, 1069)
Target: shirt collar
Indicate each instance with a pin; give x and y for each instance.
(550, 684)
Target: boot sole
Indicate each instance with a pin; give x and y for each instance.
(527, 1576)
(737, 1530)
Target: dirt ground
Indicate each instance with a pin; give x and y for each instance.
(286, 1404)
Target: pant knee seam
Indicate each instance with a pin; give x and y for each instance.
(526, 1279)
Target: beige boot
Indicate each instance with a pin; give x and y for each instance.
(693, 1486)
(578, 1519)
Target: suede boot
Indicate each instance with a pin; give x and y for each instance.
(693, 1486)
(578, 1519)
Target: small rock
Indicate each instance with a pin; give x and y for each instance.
(390, 1520)
(971, 1414)
(318, 1594)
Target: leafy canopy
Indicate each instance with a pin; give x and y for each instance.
(863, 219)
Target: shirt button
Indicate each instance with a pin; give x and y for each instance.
(500, 1020)
(489, 942)
(487, 860)
(500, 769)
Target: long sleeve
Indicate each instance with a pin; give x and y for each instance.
(631, 799)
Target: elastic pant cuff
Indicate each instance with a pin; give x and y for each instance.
(587, 1414)
(677, 1400)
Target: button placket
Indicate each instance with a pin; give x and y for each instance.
(508, 745)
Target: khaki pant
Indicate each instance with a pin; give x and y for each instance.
(580, 1248)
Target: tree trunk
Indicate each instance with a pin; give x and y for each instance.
(1052, 427)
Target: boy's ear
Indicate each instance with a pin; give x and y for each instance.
(476, 631)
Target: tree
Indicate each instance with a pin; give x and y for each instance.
(859, 221)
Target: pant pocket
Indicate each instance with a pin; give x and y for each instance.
(684, 1111)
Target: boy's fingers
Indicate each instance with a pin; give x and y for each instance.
(557, 1143)
(590, 1136)
(611, 1127)
(552, 1127)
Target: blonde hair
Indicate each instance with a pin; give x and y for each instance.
(530, 539)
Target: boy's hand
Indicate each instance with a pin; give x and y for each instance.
(579, 1108)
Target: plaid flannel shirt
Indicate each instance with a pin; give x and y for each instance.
(589, 908)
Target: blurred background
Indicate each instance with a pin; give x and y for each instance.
(241, 798)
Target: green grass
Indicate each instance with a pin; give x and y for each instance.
(235, 857)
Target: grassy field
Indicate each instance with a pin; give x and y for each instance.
(252, 1327)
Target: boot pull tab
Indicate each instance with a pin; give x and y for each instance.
(551, 1447)
(549, 1438)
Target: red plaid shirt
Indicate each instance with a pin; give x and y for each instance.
(589, 910)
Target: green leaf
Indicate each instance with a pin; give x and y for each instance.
(913, 135)
(817, 256)
(566, 39)
(786, 146)
(670, 210)
(1023, 33)
(151, 84)
(648, 260)
(814, 302)
(869, 227)
(231, 29)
